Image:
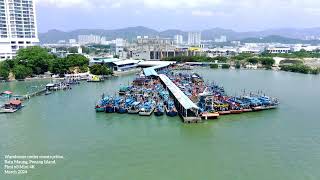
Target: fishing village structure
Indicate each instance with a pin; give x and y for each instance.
(158, 89)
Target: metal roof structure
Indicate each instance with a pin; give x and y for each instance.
(124, 62)
(150, 71)
(177, 93)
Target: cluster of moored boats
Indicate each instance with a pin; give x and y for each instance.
(144, 97)
(64, 85)
(147, 95)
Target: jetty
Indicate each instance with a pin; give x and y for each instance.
(183, 94)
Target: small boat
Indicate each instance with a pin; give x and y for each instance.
(247, 110)
(109, 108)
(159, 111)
(146, 112)
(123, 90)
(122, 110)
(101, 105)
(235, 111)
(258, 108)
(11, 107)
(170, 109)
(210, 115)
(47, 93)
(147, 109)
(100, 108)
(134, 108)
(224, 112)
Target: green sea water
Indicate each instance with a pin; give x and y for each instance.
(282, 144)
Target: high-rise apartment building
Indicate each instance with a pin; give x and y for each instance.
(194, 38)
(18, 26)
(178, 39)
(90, 39)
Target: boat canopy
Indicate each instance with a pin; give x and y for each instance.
(15, 102)
(7, 93)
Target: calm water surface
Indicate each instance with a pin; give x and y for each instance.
(280, 144)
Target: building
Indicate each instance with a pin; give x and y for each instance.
(89, 39)
(278, 50)
(151, 48)
(221, 39)
(178, 39)
(18, 26)
(72, 41)
(194, 38)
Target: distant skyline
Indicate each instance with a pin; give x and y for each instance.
(242, 15)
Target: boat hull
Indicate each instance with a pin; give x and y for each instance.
(109, 109)
(158, 113)
(100, 109)
(122, 111)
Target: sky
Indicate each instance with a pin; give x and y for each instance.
(239, 15)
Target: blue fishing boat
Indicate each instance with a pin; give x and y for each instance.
(109, 108)
(171, 109)
(101, 105)
(147, 109)
(134, 108)
(122, 110)
(159, 111)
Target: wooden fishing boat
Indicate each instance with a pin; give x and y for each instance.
(11, 107)
(236, 111)
(247, 110)
(209, 115)
(224, 112)
(258, 108)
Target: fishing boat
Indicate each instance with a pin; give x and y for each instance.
(109, 108)
(159, 110)
(122, 109)
(134, 108)
(170, 109)
(123, 90)
(101, 105)
(147, 109)
(11, 107)
(47, 93)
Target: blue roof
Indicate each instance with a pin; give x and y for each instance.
(150, 72)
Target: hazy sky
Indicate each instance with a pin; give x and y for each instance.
(240, 15)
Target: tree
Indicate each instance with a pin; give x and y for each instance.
(238, 65)
(99, 69)
(214, 66)
(77, 60)
(73, 50)
(4, 70)
(59, 66)
(225, 66)
(268, 62)
(34, 57)
(253, 60)
(21, 71)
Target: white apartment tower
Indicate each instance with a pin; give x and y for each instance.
(178, 39)
(194, 38)
(18, 26)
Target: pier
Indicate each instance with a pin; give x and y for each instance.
(186, 108)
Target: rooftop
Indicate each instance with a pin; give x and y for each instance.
(178, 94)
